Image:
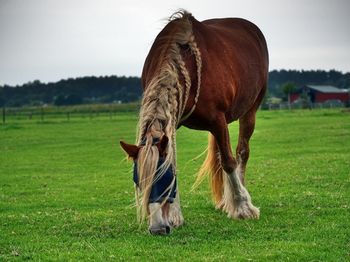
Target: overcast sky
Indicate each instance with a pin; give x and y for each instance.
(54, 39)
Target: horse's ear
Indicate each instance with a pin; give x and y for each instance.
(131, 150)
(162, 145)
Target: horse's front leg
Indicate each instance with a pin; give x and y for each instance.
(236, 200)
(175, 216)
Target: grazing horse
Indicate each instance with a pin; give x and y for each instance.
(202, 75)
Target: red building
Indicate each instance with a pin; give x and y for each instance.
(321, 94)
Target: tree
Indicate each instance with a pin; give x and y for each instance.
(2, 98)
(60, 100)
(288, 88)
(73, 99)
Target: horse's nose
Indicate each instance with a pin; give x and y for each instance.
(160, 230)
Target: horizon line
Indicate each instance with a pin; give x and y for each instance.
(131, 76)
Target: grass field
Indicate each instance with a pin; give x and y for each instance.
(66, 194)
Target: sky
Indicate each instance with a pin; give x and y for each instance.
(49, 40)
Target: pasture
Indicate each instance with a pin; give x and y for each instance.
(66, 192)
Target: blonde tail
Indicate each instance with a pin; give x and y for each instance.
(212, 167)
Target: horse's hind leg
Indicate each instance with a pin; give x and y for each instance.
(246, 129)
(236, 200)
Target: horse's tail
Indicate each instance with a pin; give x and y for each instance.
(212, 167)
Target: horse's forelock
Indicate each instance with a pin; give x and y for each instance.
(147, 166)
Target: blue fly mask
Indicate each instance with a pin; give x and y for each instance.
(161, 186)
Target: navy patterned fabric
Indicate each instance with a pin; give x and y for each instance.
(159, 192)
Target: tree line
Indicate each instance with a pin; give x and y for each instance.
(72, 91)
(109, 89)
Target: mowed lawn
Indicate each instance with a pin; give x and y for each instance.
(66, 193)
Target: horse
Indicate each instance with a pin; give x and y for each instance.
(201, 75)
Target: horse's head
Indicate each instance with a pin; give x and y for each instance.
(154, 180)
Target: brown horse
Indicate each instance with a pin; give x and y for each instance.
(203, 75)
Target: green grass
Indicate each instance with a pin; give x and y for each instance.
(66, 193)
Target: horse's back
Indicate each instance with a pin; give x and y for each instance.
(235, 66)
(238, 34)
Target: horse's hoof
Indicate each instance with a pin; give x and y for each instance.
(175, 218)
(161, 230)
(246, 210)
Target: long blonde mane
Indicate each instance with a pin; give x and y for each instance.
(163, 106)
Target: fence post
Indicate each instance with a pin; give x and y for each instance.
(42, 113)
(3, 115)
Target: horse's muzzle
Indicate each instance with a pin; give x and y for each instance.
(162, 230)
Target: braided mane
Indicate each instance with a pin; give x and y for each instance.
(163, 104)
